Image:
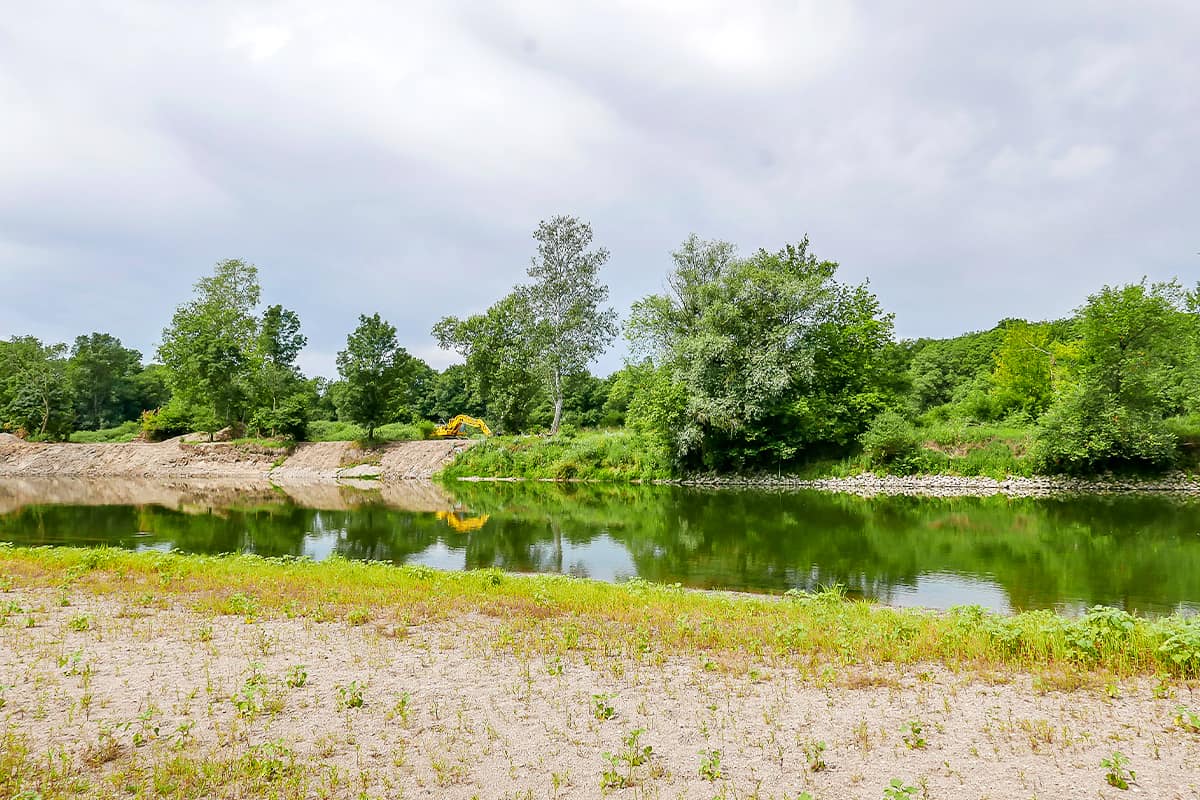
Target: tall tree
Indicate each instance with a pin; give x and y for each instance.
(368, 366)
(102, 374)
(758, 359)
(501, 355)
(565, 298)
(210, 347)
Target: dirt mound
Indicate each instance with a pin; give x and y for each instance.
(176, 458)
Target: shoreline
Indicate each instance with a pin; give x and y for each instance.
(252, 677)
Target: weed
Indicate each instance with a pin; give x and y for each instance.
(899, 790)
(710, 765)
(204, 633)
(620, 771)
(601, 708)
(402, 708)
(82, 622)
(1187, 719)
(814, 754)
(359, 616)
(350, 695)
(297, 676)
(913, 735)
(1118, 773)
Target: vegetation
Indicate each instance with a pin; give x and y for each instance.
(764, 363)
(637, 616)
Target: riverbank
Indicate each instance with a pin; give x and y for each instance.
(180, 458)
(179, 676)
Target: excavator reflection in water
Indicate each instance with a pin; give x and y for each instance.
(460, 522)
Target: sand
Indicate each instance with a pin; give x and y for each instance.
(482, 721)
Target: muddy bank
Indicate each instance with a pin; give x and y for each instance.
(175, 458)
(445, 710)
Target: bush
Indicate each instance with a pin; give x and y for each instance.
(125, 432)
(891, 440)
(1085, 434)
(173, 419)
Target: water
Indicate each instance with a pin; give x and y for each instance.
(1140, 553)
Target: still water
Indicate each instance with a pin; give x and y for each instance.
(1140, 553)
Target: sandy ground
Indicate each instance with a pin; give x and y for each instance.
(174, 458)
(481, 721)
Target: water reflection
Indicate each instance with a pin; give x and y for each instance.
(1140, 553)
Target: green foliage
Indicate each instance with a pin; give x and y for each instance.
(891, 441)
(1128, 379)
(1117, 772)
(35, 396)
(947, 370)
(761, 358)
(710, 765)
(125, 432)
(370, 366)
(595, 455)
(102, 374)
(899, 790)
(568, 327)
(210, 347)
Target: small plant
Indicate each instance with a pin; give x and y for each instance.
(1185, 718)
(359, 616)
(1118, 773)
(403, 708)
(601, 708)
(204, 633)
(710, 765)
(899, 790)
(554, 666)
(913, 737)
(814, 753)
(350, 695)
(297, 676)
(83, 622)
(621, 766)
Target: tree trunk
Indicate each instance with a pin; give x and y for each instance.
(558, 404)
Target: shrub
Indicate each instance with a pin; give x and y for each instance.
(891, 441)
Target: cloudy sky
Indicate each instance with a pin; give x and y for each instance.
(974, 160)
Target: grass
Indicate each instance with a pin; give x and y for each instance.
(616, 455)
(336, 431)
(125, 432)
(551, 615)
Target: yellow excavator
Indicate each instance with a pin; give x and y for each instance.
(455, 427)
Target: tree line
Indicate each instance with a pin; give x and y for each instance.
(741, 363)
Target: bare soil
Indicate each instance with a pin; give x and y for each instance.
(452, 711)
(176, 458)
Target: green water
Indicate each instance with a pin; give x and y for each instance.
(1141, 553)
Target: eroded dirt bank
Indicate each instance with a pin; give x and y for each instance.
(454, 710)
(175, 458)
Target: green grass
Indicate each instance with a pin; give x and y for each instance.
(618, 455)
(125, 432)
(555, 614)
(336, 431)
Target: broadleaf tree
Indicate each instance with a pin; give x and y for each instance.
(368, 368)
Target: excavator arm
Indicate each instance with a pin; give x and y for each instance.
(455, 426)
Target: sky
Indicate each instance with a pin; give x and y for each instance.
(973, 161)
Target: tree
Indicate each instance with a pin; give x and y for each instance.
(284, 400)
(33, 385)
(569, 327)
(758, 359)
(501, 359)
(368, 367)
(1023, 379)
(1129, 376)
(102, 374)
(211, 345)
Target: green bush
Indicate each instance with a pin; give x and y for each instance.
(891, 441)
(323, 430)
(125, 432)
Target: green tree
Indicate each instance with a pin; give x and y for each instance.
(1129, 376)
(102, 374)
(1026, 361)
(368, 366)
(501, 359)
(34, 386)
(211, 346)
(760, 359)
(284, 399)
(569, 327)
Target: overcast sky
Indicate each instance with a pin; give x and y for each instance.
(975, 161)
